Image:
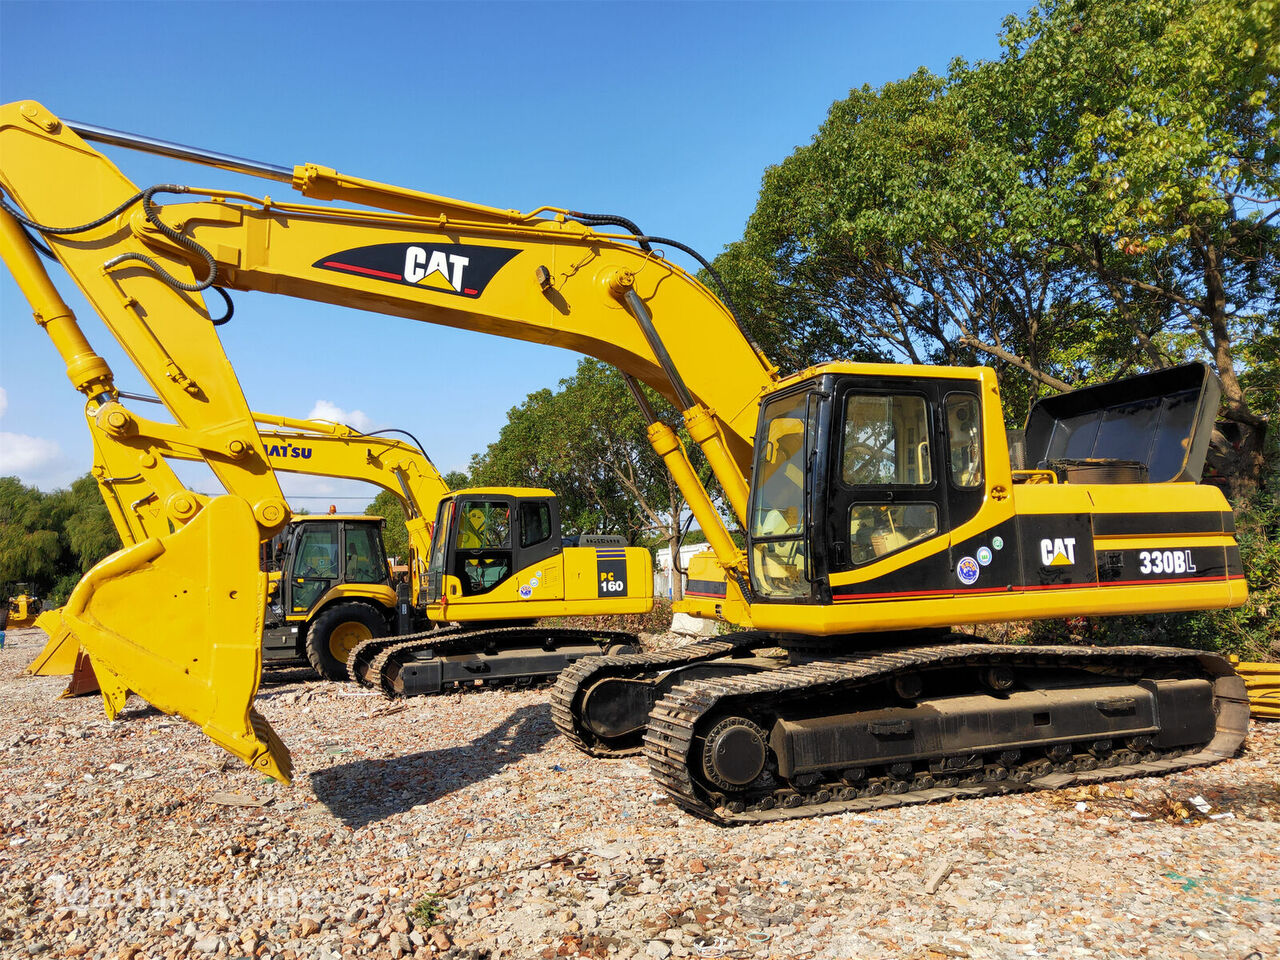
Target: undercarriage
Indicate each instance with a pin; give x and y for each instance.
(738, 731)
(457, 657)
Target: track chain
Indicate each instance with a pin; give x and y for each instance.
(577, 678)
(363, 653)
(671, 742)
(390, 654)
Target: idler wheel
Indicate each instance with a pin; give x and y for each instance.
(999, 679)
(735, 752)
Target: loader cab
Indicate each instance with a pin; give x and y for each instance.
(854, 467)
(484, 535)
(316, 554)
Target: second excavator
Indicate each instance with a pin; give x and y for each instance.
(879, 503)
(330, 591)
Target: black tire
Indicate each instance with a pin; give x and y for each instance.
(336, 630)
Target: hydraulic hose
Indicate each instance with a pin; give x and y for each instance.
(152, 218)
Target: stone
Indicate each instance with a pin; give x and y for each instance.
(308, 927)
(657, 949)
(208, 944)
(686, 625)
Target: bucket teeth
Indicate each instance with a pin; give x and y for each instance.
(273, 759)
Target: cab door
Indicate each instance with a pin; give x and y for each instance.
(313, 567)
(904, 469)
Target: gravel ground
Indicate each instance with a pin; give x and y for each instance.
(463, 826)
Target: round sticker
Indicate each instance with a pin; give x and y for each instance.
(998, 542)
(984, 556)
(967, 570)
(526, 591)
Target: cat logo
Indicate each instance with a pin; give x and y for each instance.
(458, 269)
(436, 269)
(1058, 553)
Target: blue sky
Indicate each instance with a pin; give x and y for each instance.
(667, 113)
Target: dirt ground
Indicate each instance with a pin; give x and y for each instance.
(464, 826)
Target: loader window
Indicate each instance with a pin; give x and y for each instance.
(366, 563)
(315, 565)
(877, 529)
(886, 442)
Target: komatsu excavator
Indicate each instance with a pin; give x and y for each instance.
(879, 502)
(330, 591)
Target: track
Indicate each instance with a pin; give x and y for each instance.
(676, 740)
(570, 687)
(453, 657)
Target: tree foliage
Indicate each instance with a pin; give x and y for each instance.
(395, 538)
(51, 539)
(1101, 199)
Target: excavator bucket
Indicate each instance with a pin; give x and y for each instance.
(178, 620)
(62, 657)
(58, 658)
(83, 680)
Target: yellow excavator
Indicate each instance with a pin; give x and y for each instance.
(879, 502)
(330, 589)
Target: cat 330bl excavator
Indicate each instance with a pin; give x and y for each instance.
(879, 502)
(330, 592)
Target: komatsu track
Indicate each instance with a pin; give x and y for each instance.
(454, 657)
(916, 725)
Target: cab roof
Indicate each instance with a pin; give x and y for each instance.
(310, 517)
(526, 493)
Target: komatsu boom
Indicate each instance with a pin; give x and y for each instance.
(879, 502)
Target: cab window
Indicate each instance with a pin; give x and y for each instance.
(484, 525)
(315, 565)
(964, 440)
(535, 523)
(365, 560)
(483, 545)
(778, 501)
(886, 442)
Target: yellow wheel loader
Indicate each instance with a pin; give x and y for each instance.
(879, 502)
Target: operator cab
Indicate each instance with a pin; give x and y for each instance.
(853, 468)
(315, 554)
(483, 536)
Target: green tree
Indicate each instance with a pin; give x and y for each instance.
(32, 546)
(90, 532)
(51, 539)
(395, 538)
(1102, 198)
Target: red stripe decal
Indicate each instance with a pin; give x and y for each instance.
(352, 268)
(960, 592)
